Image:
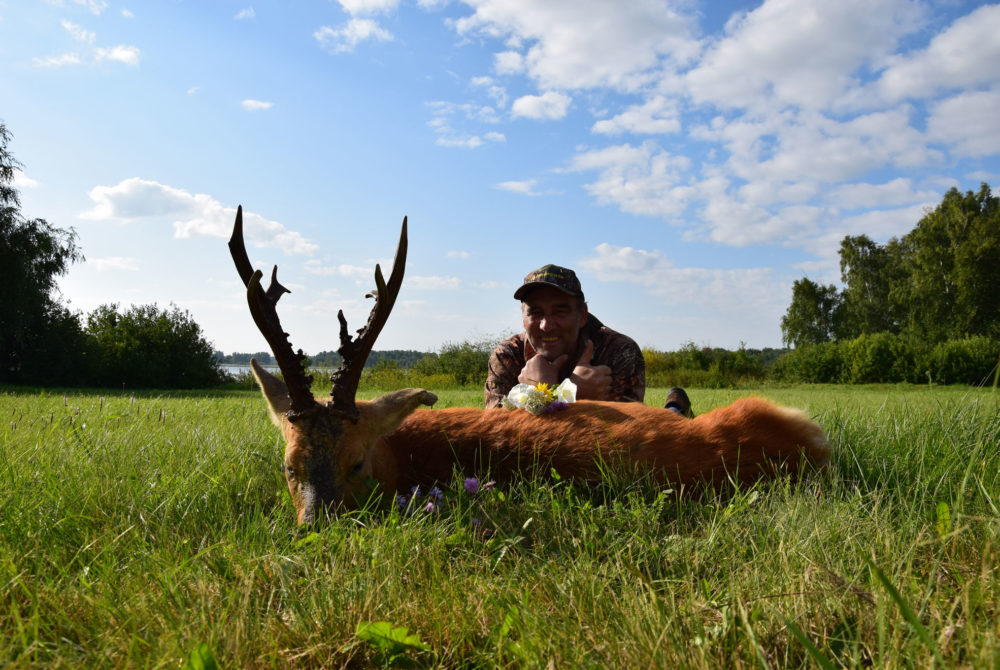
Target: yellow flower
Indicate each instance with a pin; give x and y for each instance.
(544, 389)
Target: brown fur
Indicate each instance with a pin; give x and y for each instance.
(744, 441)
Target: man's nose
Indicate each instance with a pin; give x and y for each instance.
(547, 322)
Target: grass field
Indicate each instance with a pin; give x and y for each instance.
(157, 530)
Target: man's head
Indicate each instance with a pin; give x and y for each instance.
(553, 310)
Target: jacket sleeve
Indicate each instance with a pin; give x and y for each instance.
(505, 365)
(628, 369)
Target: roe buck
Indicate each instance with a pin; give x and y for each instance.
(334, 448)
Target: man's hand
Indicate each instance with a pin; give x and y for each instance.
(593, 382)
(540, 369)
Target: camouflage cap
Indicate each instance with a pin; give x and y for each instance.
(561, 278)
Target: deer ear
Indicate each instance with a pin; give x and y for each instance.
(275, 392)
(385, 414)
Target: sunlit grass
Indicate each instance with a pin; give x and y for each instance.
(134, 530)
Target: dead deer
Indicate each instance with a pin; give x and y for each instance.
(335, 447)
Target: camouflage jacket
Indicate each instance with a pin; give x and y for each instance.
(619, 352)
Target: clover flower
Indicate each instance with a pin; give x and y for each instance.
(471, 485)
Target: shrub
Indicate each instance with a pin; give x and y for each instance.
(877, 357)
(968, 361)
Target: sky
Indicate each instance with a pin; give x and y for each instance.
(690, 160)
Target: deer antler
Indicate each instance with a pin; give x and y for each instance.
(262, 307)
(355, 352)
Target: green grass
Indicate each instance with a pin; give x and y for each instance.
(158, 531)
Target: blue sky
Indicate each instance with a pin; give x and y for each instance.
(689, 159)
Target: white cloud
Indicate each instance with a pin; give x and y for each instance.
(350, 35)
(256, 105)
(799, 52)
(640, 180)
(95, 7)
(462, 255)
(58, 61)
(965, 54)
(22, 181)
(193, 90)
(244, 14)
(894, 193)
(568, 44)
(79, 32)
(138, 200)
(115, 263)
(525, 187)
(551, 105)
(657, 116)
(127, 14)
(753, 293)
(355, 7)
(496, 92)
(129, 55)
(122, 53)
(445, 117)
(967, 123)
(314, 267)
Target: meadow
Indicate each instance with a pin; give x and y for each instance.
(156, 531)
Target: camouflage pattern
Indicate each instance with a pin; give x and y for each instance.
(619, 352)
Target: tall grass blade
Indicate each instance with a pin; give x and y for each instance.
(906, 610)
(814, 653)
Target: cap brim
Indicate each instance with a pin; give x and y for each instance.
(525, 289)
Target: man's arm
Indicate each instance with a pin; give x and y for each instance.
(628, 369)
(505, 364)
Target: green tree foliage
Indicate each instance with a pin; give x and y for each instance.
(146, 347)
(873, 275)
(954, 267)
(692, 365)
(814, 316)
(37, 334)
(467, 362)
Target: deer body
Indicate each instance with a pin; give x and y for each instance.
(746, 440)
(333, 448)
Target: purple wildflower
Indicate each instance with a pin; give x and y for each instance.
(471, 485)
(435, 495)
(402, 502)
(431, 506)
(555, 406)
(488, 486)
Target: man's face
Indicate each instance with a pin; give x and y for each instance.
(552, 320)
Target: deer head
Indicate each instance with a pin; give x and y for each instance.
(328, 444)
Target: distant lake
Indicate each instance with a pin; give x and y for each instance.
(237, 369)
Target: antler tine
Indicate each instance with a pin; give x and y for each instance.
(355, 352)
(264, 312)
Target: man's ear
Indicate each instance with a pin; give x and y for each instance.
(275, 393)
(583, 313)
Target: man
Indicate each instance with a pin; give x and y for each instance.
(561, 340)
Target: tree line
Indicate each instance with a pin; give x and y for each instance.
(922, 307)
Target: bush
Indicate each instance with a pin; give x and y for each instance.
(968, 361)
(703, 367)
(145, 347)
(821, 363)
(466, 363)
(875, 358)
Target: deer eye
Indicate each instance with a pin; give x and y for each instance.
(290, 472)
(356, 468)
